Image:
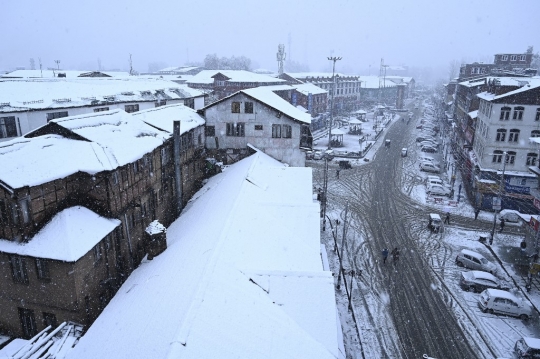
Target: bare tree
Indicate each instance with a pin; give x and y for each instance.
(453, 69)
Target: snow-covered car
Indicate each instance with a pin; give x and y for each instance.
(429, 167)
(437, 181)
(429, 149)
(404, 152)
(438, 190)
(509, 215)
(503, 302)
(426, 158)
(317, 155)
(527, 347)
(476, 281)
(474, 260)
(429, 143)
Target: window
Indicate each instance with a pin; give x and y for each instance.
(497, 156)
(504, 58)
(518, 113)
(97, 253)
(287, 131)
(236, 129)
(248, 107)
(501, 135)
(210, 131)
(531, 159)
(235, 107)
(49, 319)
(132, 108)
(276, 131)
(535, 133)
(28, 322)
(258, 127)
(537, 117)
(18, 269)
(189, 102)
(3, 212)
(514, 135)
(42, 269)
(510, 157)
(160, 103)
(513, 57)
(53, 115)
(505, 113)
(8, 127)
(101, 109)
(522, 57)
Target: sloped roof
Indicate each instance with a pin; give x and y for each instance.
(527, 84)
(67, 237)
(206, 77)
(48, 74)
(232, 282)
(115, 138)
(309, 88)
(23, 95)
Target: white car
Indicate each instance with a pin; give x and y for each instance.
(429, 159)
(429, 167)
(503, 302)
(509, 215)
(438, 190)
(429, 143)
(429, 149)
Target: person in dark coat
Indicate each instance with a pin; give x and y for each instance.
(502, 225)
(395, 254)
(476, 212)
(384, 255)
(447, 218)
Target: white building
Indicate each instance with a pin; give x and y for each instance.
(28, 104)
(262, 117)
(505, 122)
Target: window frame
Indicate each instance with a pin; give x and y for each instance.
(510, 157)
(531, 159)
(42, 269)
(497, 156)
(286, 131)
(54, 115)
(131, 108)
(501, 135)
(235, 107)
(236, 129)
(513, 135)
(248, 107)
(505, 113)
(4, 127)
(276, 131)
(101, 109)
(98, 253)
(518, 113)
(19, 271)
(28, 322)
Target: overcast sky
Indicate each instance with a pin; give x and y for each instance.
(403, 32)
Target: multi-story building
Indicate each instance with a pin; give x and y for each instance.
(219, 84)
(29, 104)
(508, 115)
(76, 197)
(504, 65)
(262, 117)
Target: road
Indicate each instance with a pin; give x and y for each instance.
(420, 308)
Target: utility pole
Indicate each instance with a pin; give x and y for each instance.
(325, 193)
(501, 184)
(334, 59)
(57, 64)
(342, 246)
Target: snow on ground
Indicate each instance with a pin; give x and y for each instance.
(500, 331)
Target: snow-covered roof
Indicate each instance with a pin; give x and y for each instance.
(400, 79)
(304, 75)
(115, 138)
(473, 114)
(309, 88)
(47, 74)
(372, 82)
(206, 77)
(23, 95)
(67, 237)
(242, 277)
(266, 95)
(525, 83)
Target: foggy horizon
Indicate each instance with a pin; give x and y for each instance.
(417, 34)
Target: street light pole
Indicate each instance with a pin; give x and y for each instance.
(501, 184)
(334, 59)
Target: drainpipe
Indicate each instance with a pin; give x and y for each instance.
(177, 166)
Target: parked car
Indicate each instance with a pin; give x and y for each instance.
(503, 302)
(473, 260)
(425, 158)
(509, 215)
(429, 149)
(438, 190)
(429, 167)
(404, 152)
(429, 143)
(438, 182)
(424, 137)
(317, 155)
(527, 347)
(476, 281)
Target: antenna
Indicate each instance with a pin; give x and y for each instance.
(130, 65)
(40, 67)
(57, 64)
(280, 58)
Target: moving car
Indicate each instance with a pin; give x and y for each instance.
(404, 152)
(503, 302)
(509, 215)
(476, 281)
(429, 149)
(434, 222)
(473, 260)
(438, 190)
(527, 347)
(429, 167)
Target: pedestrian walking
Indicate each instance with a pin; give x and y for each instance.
(395, 254)
(337, 173)
(476, 212)
(384, 255)
(447, 218)
(502, 225)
